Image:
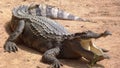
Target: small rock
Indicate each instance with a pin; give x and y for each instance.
(37, 66)
(82, 26)
(26, 60)
(66, 25)
(1, 11)
(115, 24)
(46, 0)
(24, 0)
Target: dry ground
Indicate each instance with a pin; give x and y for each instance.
(106, 13)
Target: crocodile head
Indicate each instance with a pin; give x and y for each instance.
(85, 41)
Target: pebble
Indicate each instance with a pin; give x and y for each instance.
(1, 11)
(66, 25)
(82, 26)
(37, 66)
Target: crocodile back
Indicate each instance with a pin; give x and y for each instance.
(43, 26)
(40, 25)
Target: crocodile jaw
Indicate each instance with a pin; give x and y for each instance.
(89, 45)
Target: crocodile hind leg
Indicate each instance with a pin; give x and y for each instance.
(50, 57)
(10, 46)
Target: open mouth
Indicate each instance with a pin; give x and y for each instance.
(89, 45)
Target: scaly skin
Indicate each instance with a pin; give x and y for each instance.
(47, 36)
(53, 12)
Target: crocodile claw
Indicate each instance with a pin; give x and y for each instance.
(10, 47)
(56, 65)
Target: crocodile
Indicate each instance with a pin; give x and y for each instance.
(51, 38)
(53, 12)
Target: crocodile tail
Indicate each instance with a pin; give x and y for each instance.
(53, 12)
(20, 11)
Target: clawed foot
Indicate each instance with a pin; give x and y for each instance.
(10, 47)
(56, 65)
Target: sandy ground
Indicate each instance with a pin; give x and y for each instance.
(106, 13)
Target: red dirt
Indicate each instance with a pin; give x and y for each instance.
(106, 13)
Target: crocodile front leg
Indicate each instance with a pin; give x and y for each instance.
(50, 57)
(10, 46)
